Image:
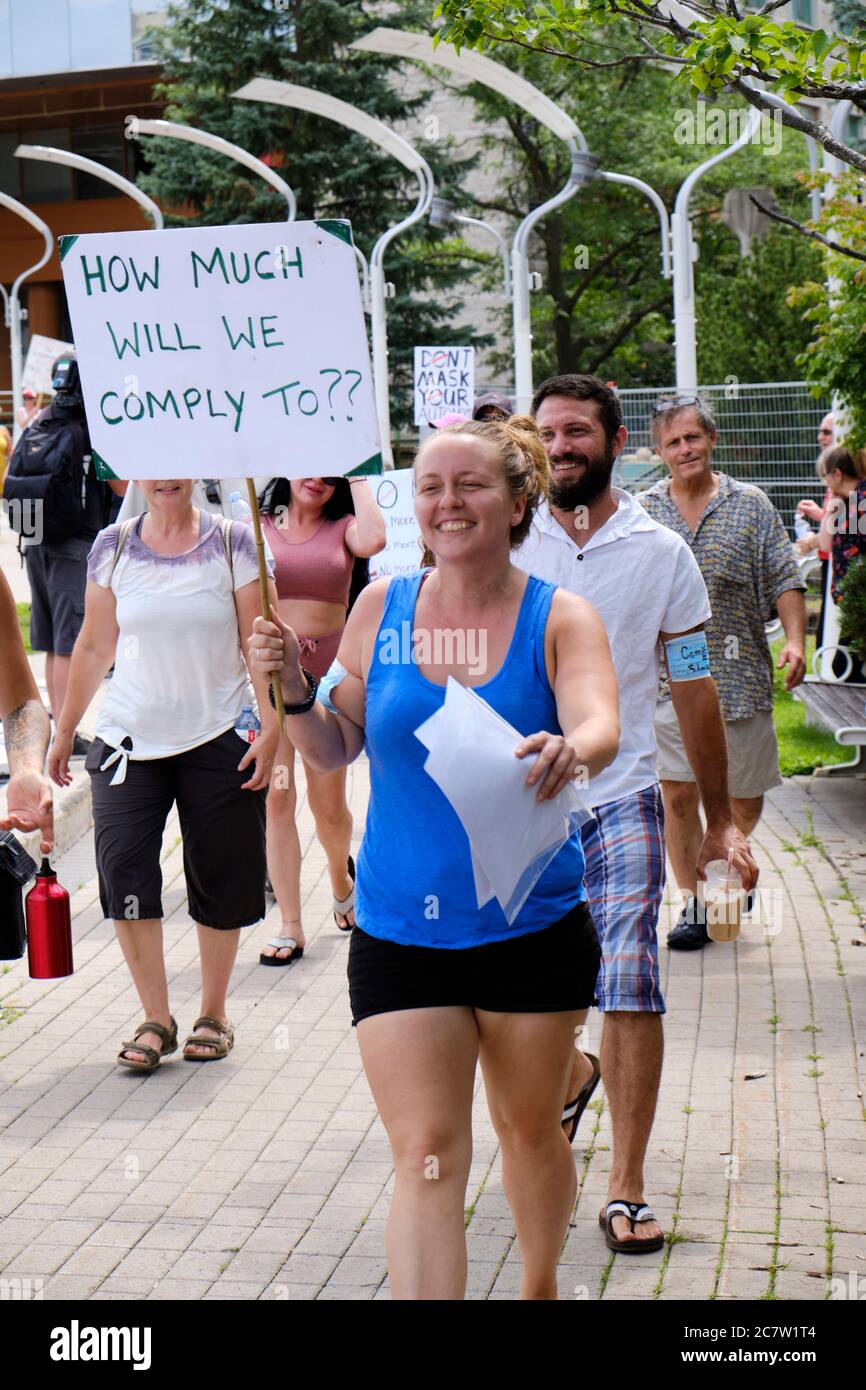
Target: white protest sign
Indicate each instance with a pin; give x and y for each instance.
(444, 382)
(395, 495)
(218, 352)
(42, 353)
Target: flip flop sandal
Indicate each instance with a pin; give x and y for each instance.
(636, 1213)
(343, 906)
(152, 1057)
(219, 1047)
(282, 943)
(575, 1108)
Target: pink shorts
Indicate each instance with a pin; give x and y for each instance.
(318, 653)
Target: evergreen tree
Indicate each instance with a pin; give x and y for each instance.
(210, 48)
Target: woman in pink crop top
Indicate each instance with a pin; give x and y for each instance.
(319, 530)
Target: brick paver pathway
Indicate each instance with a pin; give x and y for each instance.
(268, 1176)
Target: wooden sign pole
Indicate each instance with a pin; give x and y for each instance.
(263, 592)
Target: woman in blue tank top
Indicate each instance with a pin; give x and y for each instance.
(437, 983)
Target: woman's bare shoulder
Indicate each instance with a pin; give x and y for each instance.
(570, 612)
(368, 606)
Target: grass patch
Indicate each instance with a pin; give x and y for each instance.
(801, 748)
(24, 624)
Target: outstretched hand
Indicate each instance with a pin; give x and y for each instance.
(30, 806)
(557, 764)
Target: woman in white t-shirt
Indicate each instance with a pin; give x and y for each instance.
(170, 602)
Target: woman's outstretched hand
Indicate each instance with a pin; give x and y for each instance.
(555, 767)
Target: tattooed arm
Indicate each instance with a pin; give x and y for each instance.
(26, 730)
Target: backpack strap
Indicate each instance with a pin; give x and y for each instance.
(122, 537)
(226, 535)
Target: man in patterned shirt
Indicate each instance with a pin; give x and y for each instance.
(748, 564)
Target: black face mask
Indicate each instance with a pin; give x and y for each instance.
(590, 485)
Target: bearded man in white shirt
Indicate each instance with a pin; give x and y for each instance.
(598, 542)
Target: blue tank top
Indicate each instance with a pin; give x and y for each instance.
(415, 884)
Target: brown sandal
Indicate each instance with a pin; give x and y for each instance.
(219, 1047)
(152, 1057)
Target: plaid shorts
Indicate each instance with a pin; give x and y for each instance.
(624, 849)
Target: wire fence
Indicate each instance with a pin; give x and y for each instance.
(768, 435)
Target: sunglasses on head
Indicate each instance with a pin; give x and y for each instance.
(661, 407)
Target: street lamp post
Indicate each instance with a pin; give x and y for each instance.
(47, 155)
(685, 254)
(400, 43)
(173, 130)
(685, 251)
(332, 108)
(12, 311)
(98, 171)
(443, 213)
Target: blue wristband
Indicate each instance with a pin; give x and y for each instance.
(688, 657)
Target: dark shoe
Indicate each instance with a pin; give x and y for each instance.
(282, 943)
(575, 1108)
(80, 747)
(690, 932)
(635, 1213)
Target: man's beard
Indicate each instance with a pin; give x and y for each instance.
(582, 491)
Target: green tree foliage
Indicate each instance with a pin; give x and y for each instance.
(850, 15)
(746, 326)
(723, 46)
(835, 358)
(209, 49)
(604, 306)
(853, 608)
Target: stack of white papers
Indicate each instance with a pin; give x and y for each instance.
(512, 837)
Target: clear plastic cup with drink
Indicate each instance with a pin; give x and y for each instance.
(723, 900)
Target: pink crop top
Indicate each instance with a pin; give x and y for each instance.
(320, 568)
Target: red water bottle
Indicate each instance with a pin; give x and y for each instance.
(49, 927)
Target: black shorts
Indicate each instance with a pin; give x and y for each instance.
(57, 572)
(549, 971)
(222, 828)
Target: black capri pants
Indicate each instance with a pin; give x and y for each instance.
(222, 829)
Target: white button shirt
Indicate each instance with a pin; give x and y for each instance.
(643, 579)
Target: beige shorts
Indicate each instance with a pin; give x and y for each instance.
(753, 755)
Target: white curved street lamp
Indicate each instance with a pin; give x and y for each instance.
(47, 155)
(400, 43)
(12, 311)
(685, 251)
(173, 130)
(333, 109)
(443, 213)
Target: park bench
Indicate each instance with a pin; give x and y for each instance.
(842, 710)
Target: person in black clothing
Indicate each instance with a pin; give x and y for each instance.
(57, 569)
